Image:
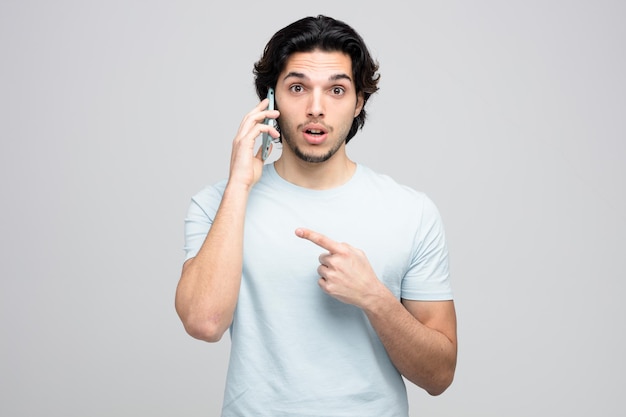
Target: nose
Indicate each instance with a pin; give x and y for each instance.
(316, 104)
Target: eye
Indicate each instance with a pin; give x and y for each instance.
(296, 88)
(338, 91)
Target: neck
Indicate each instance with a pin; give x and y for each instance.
(316, 176)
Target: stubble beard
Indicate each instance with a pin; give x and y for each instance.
(308, 157)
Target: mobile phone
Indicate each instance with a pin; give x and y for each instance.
(267, 139)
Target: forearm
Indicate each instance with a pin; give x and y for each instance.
(424, 355)
(208, 289)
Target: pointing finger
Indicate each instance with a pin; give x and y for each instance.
(319, 239)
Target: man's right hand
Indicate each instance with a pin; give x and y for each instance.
(245, 166)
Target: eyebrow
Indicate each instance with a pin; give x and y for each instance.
(335, 77)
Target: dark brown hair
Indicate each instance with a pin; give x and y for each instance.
(326, 34)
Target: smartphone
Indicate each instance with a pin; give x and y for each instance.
(267, 139)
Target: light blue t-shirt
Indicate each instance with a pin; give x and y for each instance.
(296, 351)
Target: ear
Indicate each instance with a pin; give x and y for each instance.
(360, 101)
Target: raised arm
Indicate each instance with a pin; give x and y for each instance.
(208, 288)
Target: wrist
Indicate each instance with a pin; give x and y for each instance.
(379, 301)
(234, 186)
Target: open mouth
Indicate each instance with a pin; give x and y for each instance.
(314, 132)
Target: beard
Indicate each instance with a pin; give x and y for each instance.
(309, 157)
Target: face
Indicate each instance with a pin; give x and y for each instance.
(317, 100)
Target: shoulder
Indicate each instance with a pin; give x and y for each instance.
(398, 201)
(209, 197)
(212, 190)
(385, 186)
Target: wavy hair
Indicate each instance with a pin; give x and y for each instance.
(327, 34)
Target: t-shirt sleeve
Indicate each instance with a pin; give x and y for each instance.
(200, 216)
(428, 277)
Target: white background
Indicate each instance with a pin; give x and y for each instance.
(511, 115)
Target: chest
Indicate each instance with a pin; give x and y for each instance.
(275, 256)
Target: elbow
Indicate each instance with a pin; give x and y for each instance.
(436, 381)
(437, 390)
(204, 331)
(208, 329)
(441, 376)
(440, 384)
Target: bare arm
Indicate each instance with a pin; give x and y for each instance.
(419, 336)
(208, 288)
(207, 292)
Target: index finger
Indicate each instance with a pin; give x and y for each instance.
(319, 239)
(262, 112)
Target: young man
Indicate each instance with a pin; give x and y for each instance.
(318, 327)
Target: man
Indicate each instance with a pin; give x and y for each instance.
(318, 327)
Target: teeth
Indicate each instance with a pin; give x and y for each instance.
(315, 132)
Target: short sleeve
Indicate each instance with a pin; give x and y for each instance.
(200, 216)
(428, 277)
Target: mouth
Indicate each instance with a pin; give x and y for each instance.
(315, 134)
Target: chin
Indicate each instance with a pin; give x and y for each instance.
(313, 158)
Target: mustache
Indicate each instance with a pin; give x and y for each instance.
(300, 126)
